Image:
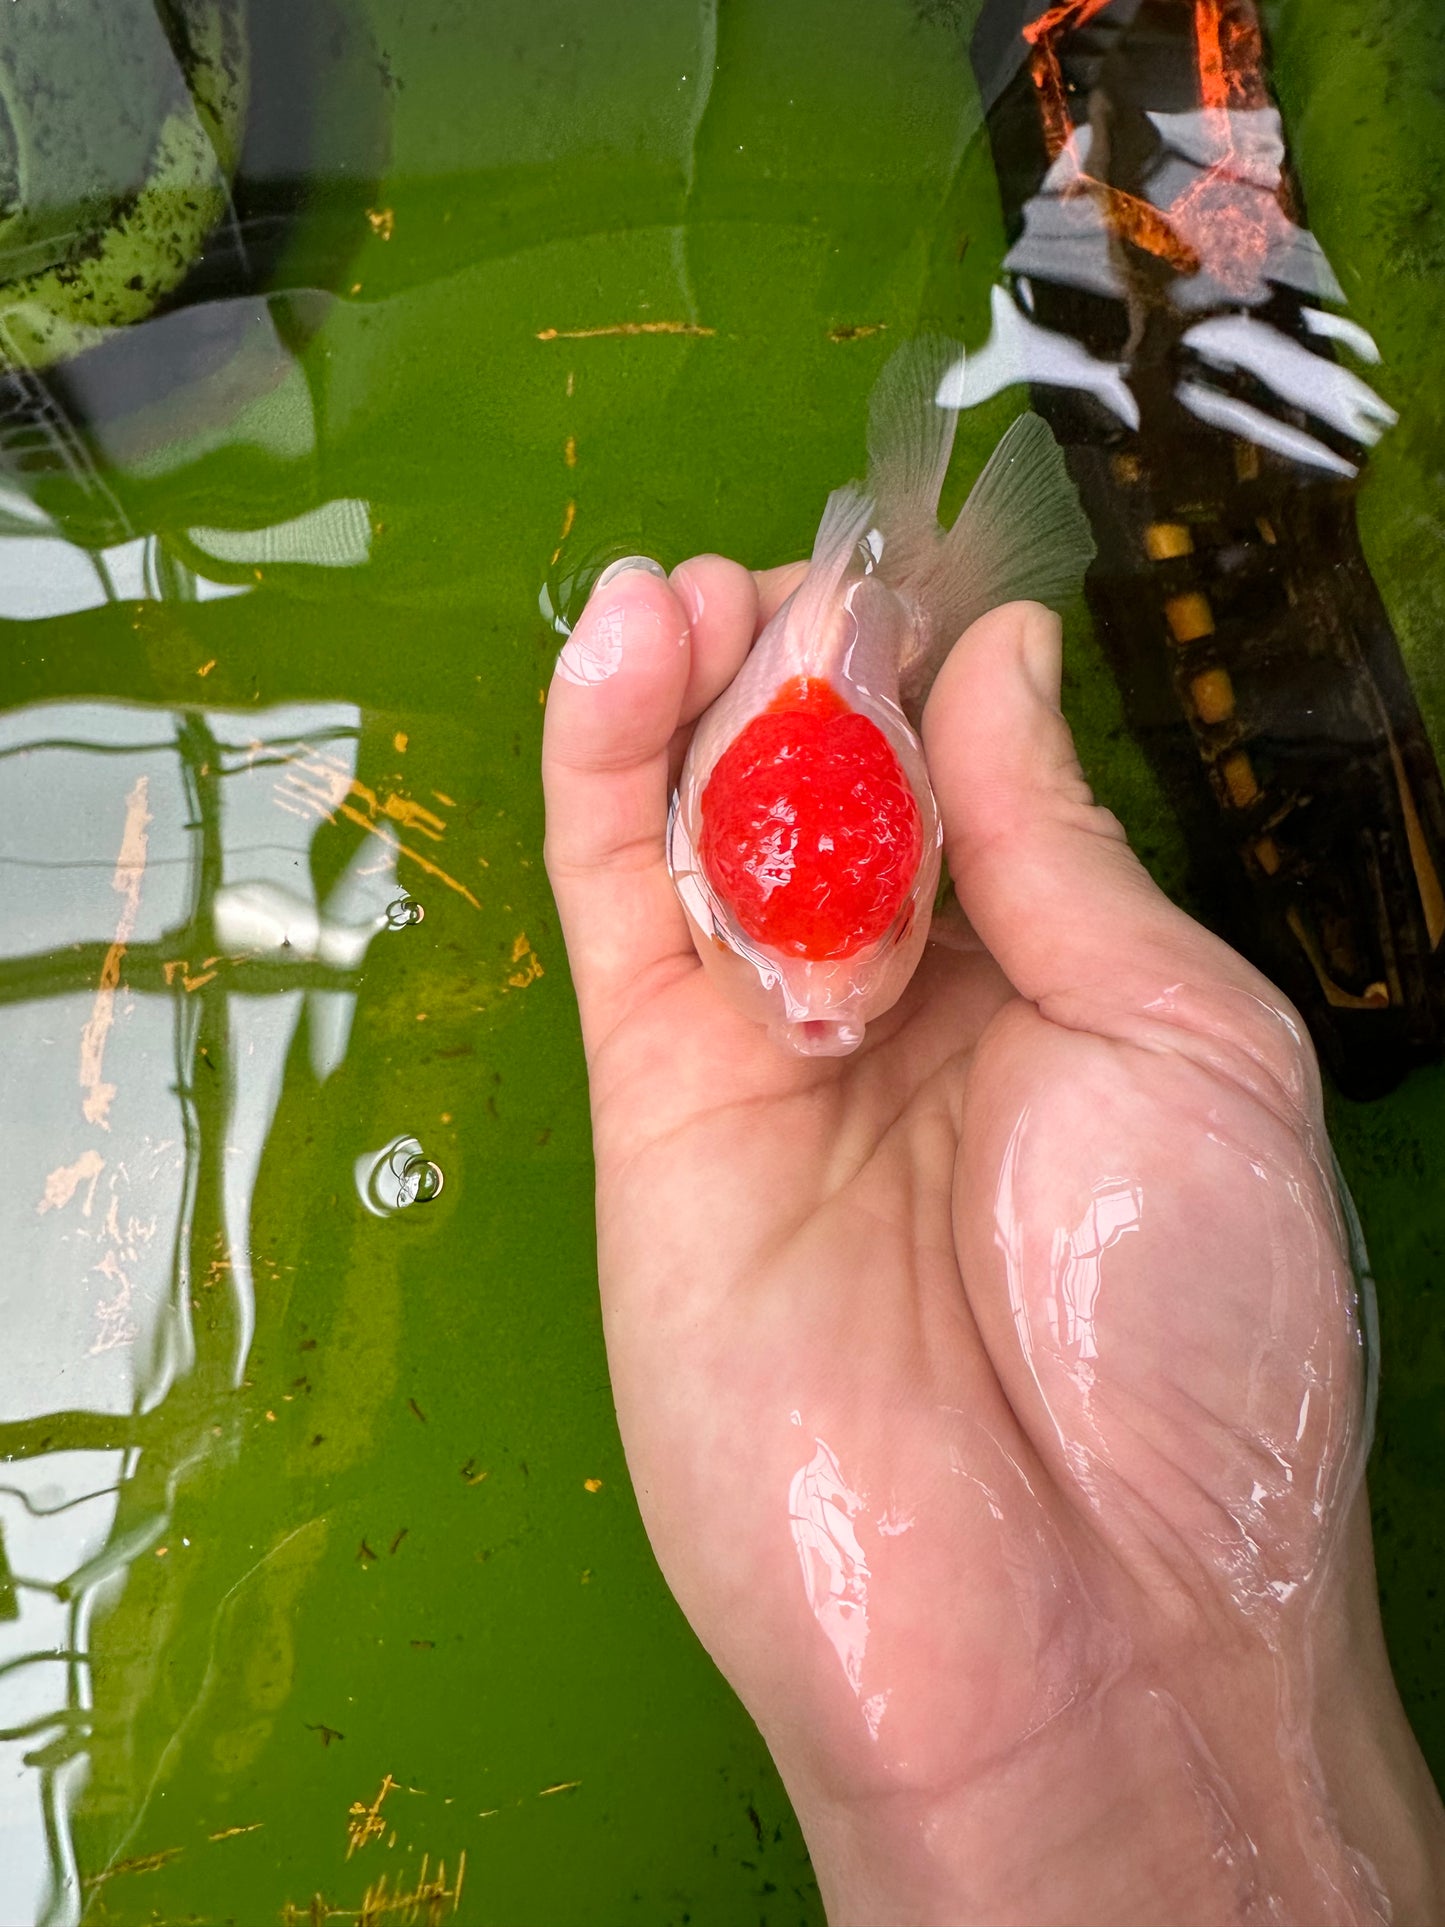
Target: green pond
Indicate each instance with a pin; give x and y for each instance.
(323, 1593)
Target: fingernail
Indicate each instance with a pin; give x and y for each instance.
(1042, 654)
(643, 564)
(687, 593)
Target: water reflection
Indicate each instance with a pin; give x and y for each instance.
(1071, 238)
(1177, 322)
(106, 108)
(43, 573)
(153, 994)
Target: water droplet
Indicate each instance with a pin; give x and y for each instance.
(398, 1175)
(404, 911)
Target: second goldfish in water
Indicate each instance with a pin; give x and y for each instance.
(805, 840)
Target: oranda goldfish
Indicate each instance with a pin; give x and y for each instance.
(805, 842)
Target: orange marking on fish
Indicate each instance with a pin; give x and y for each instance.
(811, 834)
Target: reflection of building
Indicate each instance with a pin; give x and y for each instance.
(149, 1002)
(1177, 323)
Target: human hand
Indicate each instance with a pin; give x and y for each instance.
(994, 1396)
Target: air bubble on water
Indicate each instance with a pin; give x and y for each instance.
(574, 574)
(405, 910)
(550, 614)
(400, 1174)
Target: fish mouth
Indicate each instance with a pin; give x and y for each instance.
(819, 1037)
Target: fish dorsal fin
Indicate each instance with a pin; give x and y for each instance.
(1021, 534)
(910, 440)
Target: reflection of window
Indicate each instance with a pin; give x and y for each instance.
(151, 996)
(43, 573)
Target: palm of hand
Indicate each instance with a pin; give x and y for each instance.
(941, 1367)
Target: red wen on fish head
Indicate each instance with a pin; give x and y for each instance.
(811, 834)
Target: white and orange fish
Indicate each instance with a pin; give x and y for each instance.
(805, 842)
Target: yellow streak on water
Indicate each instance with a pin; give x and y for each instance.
(129, 869)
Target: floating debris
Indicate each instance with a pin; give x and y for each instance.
(143, 1863)
(531, 970)
(366, 1822)
(693, 328)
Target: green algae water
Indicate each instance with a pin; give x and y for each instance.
(322, 1591)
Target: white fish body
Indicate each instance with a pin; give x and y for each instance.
(886, 595)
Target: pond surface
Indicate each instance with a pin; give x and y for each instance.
(322, 1590)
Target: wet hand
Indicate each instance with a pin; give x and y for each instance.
(993, 1396)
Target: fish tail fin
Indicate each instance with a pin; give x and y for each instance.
(1022, 533)
(847, 518)
(910, 440)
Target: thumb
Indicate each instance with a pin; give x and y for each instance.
(1046, 875)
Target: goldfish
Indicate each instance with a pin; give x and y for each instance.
(804, 838)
